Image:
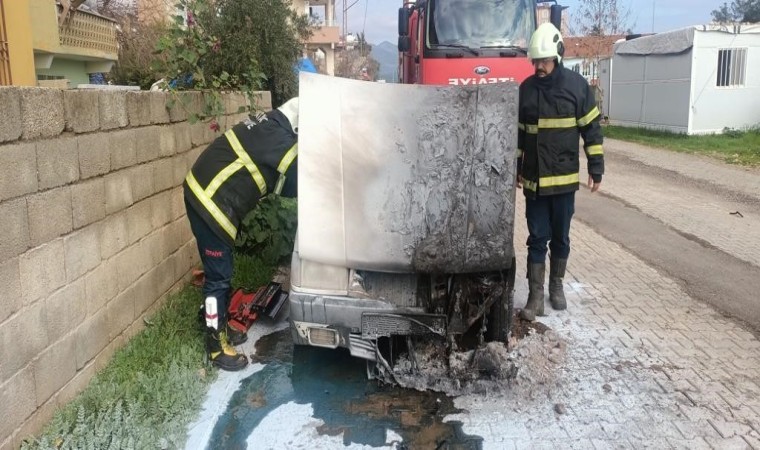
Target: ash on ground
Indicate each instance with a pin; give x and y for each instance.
(534, 353)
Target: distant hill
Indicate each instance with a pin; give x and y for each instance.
(386, 54)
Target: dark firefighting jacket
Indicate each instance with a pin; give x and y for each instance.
(553, 112)
(255, 158)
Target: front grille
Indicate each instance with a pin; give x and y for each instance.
(375, 325)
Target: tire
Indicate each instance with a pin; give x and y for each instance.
(500, 315)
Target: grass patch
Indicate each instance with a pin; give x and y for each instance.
(735, 147)
(154, 386)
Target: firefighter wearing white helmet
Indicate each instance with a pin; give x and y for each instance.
(556, 106)
(253, 159)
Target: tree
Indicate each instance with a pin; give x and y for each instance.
(600, 18)
(738, 11)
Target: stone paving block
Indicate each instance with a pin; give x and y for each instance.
(18, 170)
(123, 149)
(10, 111)
(113, 109)
(57, 162)
(15, 357)
(42, 271)
(41, 112)
(729, 429)
(81, 110)
(50, 215)
(100, 286)
(17, 401)
(14, 221)
(10, 280)
(94, 154)
(120, 312)
(139, 108)
(734, 443)
(148, 144)
(54, 367)
(88, 202)
(118, 191)
(82, 251)
(114, 235)
(91, 337)
(694, 444)
(65, 310)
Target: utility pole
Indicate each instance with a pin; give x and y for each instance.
(346, 7)
(653, 7)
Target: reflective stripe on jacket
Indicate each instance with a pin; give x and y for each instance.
(254, 158)
(554, 111)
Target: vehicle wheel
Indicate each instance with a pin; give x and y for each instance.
(500, 316)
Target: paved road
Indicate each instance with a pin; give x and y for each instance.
(653, 352)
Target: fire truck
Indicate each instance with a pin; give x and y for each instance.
(466, 42)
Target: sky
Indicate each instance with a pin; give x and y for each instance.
(378, 17)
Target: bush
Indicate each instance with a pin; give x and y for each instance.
(268, 231)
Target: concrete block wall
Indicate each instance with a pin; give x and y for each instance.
(94, 234)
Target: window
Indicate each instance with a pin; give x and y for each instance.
(732, 66)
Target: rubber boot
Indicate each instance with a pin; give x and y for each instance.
(221, 353)
(236, 336)
(535, 305)
(556, 291)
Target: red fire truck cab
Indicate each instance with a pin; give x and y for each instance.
(465, 42)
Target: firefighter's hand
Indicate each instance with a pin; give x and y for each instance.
(593, 185)
(519, 181)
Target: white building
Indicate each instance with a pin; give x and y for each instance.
(696, 80)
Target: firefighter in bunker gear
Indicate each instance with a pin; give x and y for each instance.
(255, 158)
(556, 105)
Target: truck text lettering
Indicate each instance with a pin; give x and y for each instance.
(484, 80)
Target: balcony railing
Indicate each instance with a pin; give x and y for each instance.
(324, 31)
(90, 32)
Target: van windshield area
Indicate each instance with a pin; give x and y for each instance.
(480, 23)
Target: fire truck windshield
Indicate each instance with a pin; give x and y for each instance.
(480, 23)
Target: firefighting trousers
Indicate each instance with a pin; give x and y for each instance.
(549, 222)
(216, 256)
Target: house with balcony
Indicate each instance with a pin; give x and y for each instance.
(325, 37)
(38, 49)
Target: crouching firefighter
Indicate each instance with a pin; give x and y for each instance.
(255, 158)
(556, 106)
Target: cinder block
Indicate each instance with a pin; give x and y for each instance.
(28, 325)
(82, 251)
(81, 110)
(91, 337)
(101, 285)
(123, 149)
(178, 203)
(199, 135)
(10, 111)
(160, 210)
(54, 368)
(182, 137)
(131, 263)
(113, 109)
(234, 101)
(42, 271)
(50, 215)
(118, 191)
(120, 313)
(10, 281)
(139, 222)
(14, 221)
(159, 113)
(165, 275)
(65, 310)
(33, 425)
(262, 100)
(114, 235)
(57, 162)
(94, 155)
(41, 112)
(148, 144)
(168, 145)
(173, 237)
(142, 181)
(88, 202)
(18, 170)
(76, 385)
(154, 244)
(180, 168)
(184, 105)
(106, 355)
(17, 401)
(163, 174)
(146, 291)
(138, 107)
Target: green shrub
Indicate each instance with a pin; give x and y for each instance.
(268, 232)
